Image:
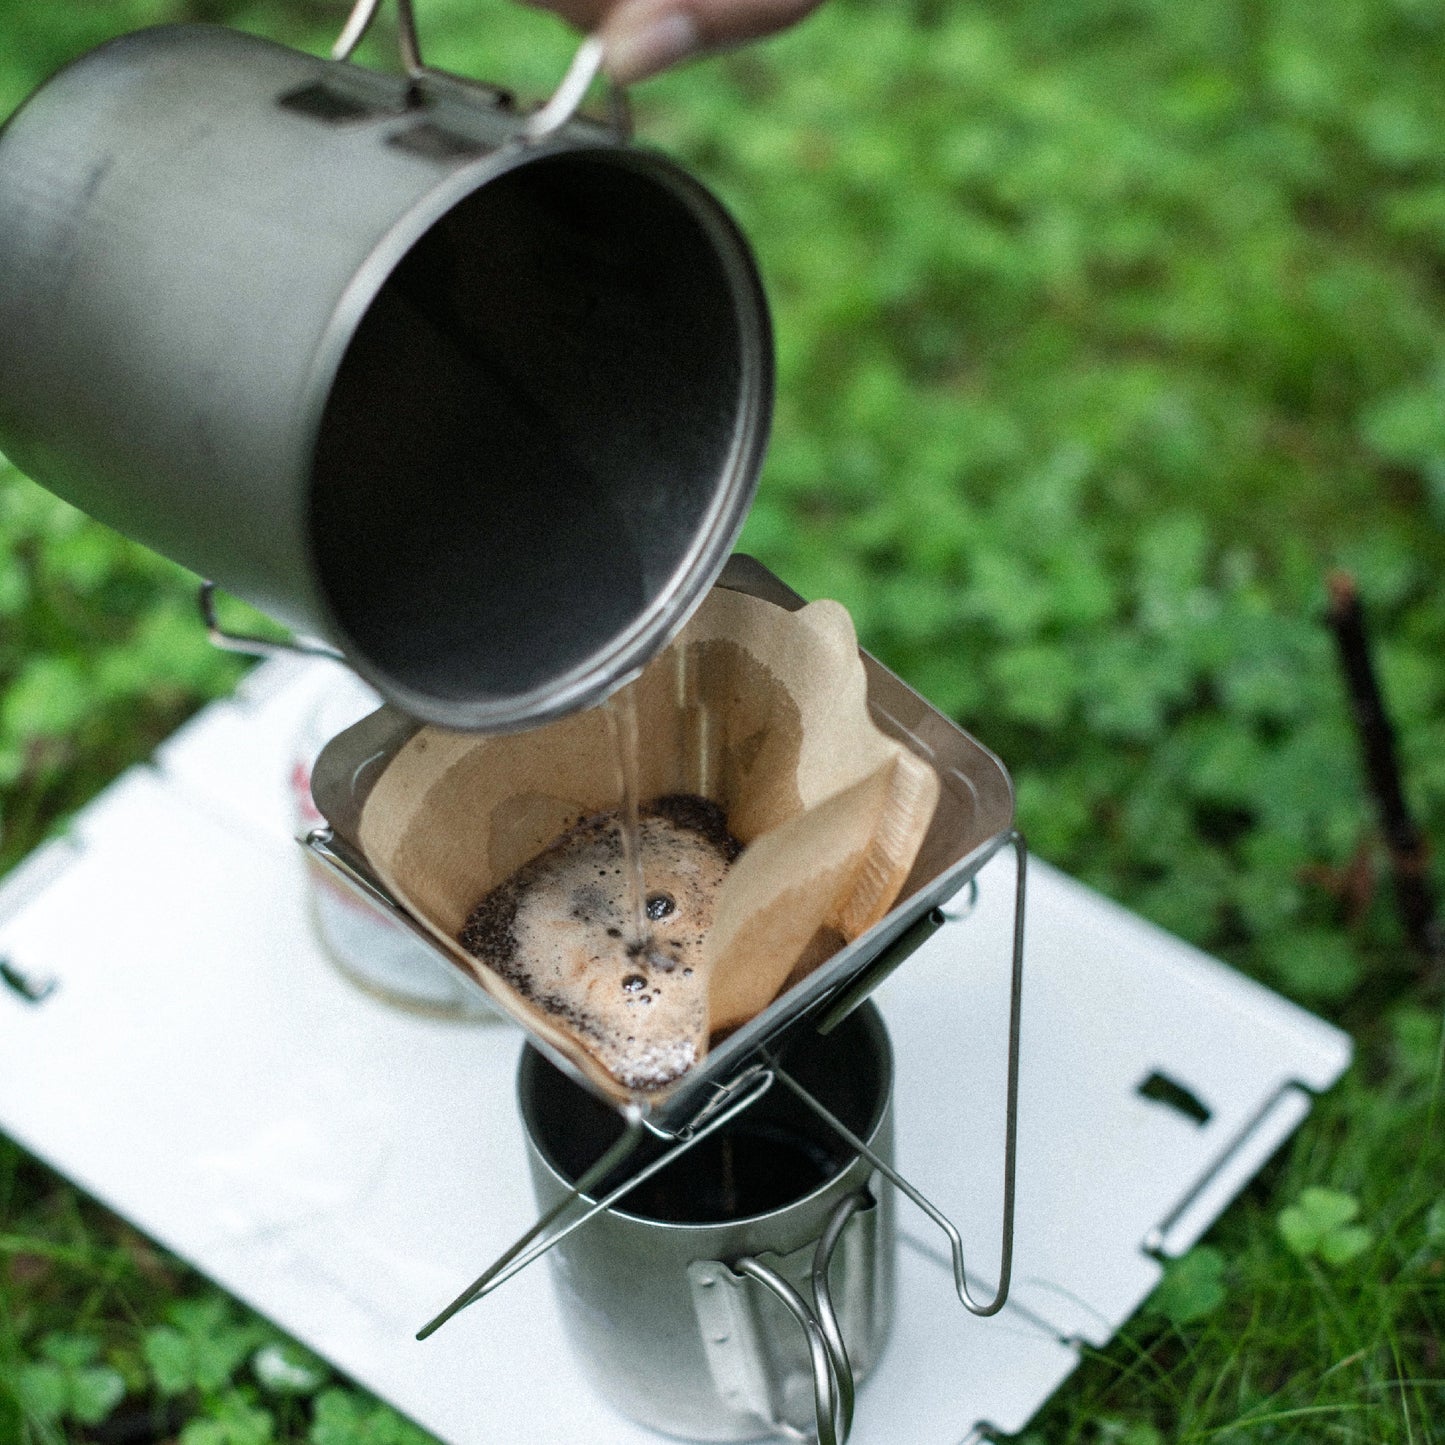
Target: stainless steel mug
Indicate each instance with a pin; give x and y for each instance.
(480, 401)
(671, 1299)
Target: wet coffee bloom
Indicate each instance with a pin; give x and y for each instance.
(557, 931)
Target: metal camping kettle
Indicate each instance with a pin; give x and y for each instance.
(476, 394)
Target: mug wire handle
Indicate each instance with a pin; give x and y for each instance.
(566, 99)
(834, 1389)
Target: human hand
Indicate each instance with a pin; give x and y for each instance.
(641, 37)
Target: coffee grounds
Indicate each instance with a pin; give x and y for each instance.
(697, 815)
(555, 930)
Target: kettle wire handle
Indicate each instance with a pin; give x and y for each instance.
(566, 99)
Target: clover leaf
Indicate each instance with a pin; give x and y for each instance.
(342, 1418)
(68, 1384)
(200, 1349)
(1320, 1225)
(231, 1420)
(1192, 1286)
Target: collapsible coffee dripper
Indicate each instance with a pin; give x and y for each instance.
(972, 823)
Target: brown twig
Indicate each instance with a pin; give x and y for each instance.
(1408, 847)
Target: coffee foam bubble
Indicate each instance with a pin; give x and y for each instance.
(558, 931)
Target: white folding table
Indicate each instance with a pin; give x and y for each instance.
(345, 1167)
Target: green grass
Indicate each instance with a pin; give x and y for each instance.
(1105, 328)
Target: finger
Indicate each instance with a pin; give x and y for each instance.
(645, 36)
(584, 14)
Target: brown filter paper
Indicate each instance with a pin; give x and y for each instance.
(760, 709)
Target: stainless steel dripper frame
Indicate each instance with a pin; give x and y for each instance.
(477, 395)
(971, 825)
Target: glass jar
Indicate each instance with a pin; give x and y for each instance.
(370, 948)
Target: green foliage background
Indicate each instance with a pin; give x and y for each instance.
(1105, 328)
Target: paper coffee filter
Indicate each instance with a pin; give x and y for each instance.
(760, 709)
